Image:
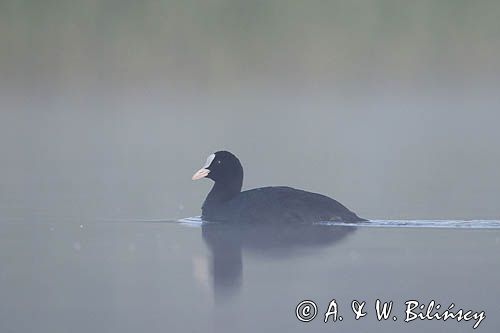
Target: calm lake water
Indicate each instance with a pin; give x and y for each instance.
(129, 276)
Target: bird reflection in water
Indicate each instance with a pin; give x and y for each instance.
(228, 241)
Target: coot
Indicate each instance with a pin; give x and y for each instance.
(276, 204)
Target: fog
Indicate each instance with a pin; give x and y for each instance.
(108, 107)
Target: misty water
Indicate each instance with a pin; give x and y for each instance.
(129, 276)
(107, 108)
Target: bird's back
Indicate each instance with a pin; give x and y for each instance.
(280, 205)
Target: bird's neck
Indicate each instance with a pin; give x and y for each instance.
(222, 192)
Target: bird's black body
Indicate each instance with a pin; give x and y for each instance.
(269, 205)
(277, 205)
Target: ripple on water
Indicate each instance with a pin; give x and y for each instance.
(196, 221)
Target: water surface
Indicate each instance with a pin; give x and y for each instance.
(126, 276)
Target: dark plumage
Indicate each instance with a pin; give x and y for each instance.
(226, 202)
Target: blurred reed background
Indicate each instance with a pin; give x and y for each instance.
(107, 107)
